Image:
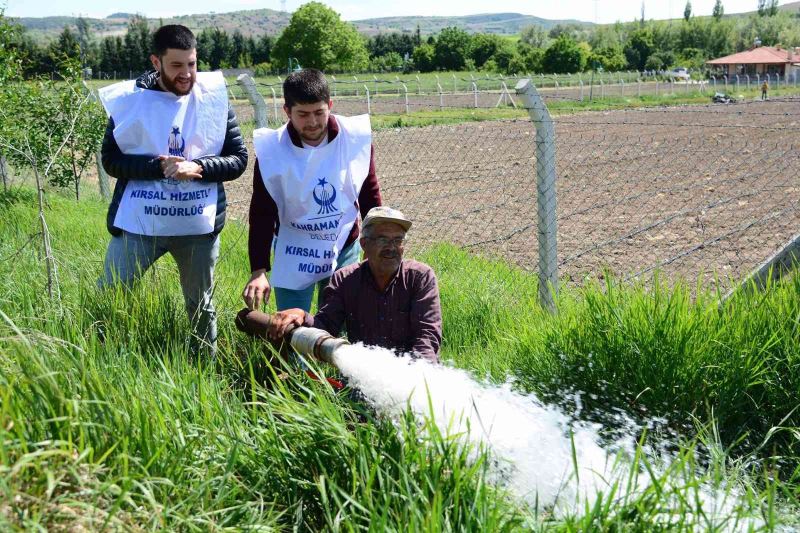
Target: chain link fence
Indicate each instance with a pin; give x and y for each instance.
(697, 193)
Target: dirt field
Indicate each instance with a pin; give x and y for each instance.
(694, 191)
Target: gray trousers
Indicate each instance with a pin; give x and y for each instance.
(130, 255)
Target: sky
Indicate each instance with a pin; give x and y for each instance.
(601, 11)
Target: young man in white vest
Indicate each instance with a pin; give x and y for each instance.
(172, 140)
(312, 178)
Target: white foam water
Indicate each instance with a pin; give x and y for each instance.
(542, 456)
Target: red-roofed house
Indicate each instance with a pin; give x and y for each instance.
(760, 60)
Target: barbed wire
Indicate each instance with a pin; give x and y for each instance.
(675, 188)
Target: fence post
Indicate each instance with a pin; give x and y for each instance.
(622, 87)
(638, 87)
(455, 87)
(545, 191)
(475, 93)
(602, 90)
(656, 87)
(441, 96)
(4, 172)
(375, 83)
(555, 92)
(581, 84)
(274, 104)
(419, 85)
(259, 107)
(737, 83)
(102, 177)
(780, 264)
(369, 105)
(334, 85)
(405, 94)
(748, 81)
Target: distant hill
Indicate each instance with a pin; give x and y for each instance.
(501, 23)
(792, 7)
(257, 22)
(254, 22)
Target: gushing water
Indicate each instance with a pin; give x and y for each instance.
(539, 453)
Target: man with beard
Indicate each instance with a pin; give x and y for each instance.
(384, 301)
(312, 178)
(171, 141)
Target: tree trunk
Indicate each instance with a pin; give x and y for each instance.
(4, 172)
(75, 175)
(50, 262)
(102, 177)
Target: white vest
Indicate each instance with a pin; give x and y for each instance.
(315, 190)
(150, 122)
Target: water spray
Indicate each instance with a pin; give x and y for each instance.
(547, 460)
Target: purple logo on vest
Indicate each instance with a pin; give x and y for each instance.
(326, 197)
(176, 143)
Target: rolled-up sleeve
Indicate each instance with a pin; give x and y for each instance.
(426, 318)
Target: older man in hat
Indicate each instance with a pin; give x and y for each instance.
(383, 301)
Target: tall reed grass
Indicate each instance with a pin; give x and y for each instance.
(108, 422)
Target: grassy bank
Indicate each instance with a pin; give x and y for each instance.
(131, 432)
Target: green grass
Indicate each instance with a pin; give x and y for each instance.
(132, 432)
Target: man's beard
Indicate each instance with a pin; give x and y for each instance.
(172, 87)
(318, 137)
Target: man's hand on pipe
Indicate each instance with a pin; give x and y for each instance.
(283, 322)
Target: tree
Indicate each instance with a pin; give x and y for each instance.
(83, 131)
(38, 120)
(452, 49)
(528, 59)
(389, 62)
(563, 56)
(220, 50)
(66, 46)
(423, 57)
(687, 11)
(239, 53)
(719, 10)
(111, 55)
(610, 58)
(136, 45)
(638, 48)
(534, 35)
(317, 37)
(660, 61)
(484, 46)
(84, 40)
(383, 44)
(263, 49)
(767, 8)
(772, 8)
